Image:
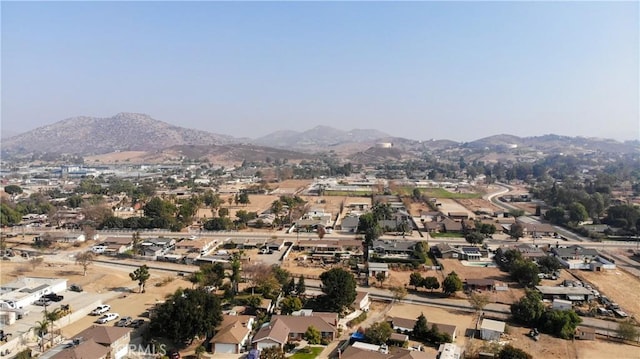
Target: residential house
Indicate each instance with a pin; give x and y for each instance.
(26, 290)
(329, 317)
(399, 338)
(578, 257)
(458, 216)
(433, 226)
(263, 220)
(575, 252)
(349, 224)
(166, 244)
(444, 250)
(573, 294)
(491, 329)
(68, 237)
(87, 349)
(394, 248)
(362, 301)
(201, 246)
(361, 350)
(267, 305)
(537, 230)
(480, 284)
(328, 245)
(283, 328)
(449, 351)
(471, 253)
(115, 338)
(451, 226)
(232, 334)
(376, 268)
(529, 251)
(117, 245)
(151, 252)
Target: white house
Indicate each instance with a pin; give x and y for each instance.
(362, 301)
(491, 329)
(449, 351)
(26, 290)
(375, 268)
(232, 334)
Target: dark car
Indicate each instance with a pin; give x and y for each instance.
(137, 323)
(53, 297)
(75, 288)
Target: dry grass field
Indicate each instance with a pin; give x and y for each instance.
(435, 315)
(618, 285)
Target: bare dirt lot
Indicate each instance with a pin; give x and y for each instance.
(475, 204)
(507, 297)
(435, 315)
(451, 205)
(548, 347)
(618, 285)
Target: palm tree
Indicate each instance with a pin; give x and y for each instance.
(41, 328)
(51, 317)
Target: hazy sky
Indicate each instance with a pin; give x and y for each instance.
(455, 70)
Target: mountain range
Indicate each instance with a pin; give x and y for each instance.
(139, 132)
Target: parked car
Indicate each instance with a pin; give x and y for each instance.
(137, 323)
(43, 302)
(107, 318)
(75, 288)
(124, 322)
(53, 297)
(101, 309)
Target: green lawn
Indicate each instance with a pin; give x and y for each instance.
(313, 352)
(446, 235)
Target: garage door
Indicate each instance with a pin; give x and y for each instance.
(264, 345)
(225, 348)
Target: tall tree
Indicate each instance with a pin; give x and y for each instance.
(379, 332)
(628, 331)
(529, 309)
(452, 283)
(289, 305)
(300, 286)
(478, 301)
(141, 275)
(474, 237)
(12, 189)
(339, 287)
(525, 272)
(85, 259)
(186, 314)
(516, 231)
(416, 280)
(421, 328)
(431, 283)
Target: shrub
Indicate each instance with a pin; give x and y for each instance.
(357, 320)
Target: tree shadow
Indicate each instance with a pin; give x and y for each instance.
(66, 273)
